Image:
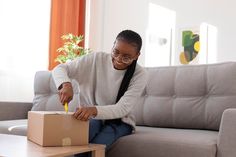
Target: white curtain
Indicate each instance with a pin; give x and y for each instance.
(24, 38)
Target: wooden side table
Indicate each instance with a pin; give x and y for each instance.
(13, 145)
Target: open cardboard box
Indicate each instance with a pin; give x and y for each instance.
(48, 128)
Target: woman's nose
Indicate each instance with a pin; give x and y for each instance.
(119, 57)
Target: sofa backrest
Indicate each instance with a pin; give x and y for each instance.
(46, 96)
(14, 110)
(192, 96)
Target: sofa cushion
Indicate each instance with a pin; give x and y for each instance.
(166, 142)
(15, 127)
(46, 94)
(192, 96)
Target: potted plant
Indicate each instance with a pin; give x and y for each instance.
(71, 49)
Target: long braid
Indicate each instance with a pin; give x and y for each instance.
(123, 88)
(134, 39)
(126, 80)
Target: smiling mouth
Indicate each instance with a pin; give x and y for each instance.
(117, 62)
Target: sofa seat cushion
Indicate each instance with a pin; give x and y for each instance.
(15, 127)
(166, 142)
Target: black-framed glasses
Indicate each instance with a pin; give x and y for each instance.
(124, 59)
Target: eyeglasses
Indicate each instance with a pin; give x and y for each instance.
(124, 59)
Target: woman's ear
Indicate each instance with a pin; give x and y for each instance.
(137, 55)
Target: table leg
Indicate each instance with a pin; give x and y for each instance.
(98, 153)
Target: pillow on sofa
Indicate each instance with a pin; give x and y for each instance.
(46, 96)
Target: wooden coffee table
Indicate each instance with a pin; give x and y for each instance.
(13, 145)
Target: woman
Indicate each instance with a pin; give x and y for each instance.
(110, 86)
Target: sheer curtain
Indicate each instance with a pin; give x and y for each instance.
(24, 36)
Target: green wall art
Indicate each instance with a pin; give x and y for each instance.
(191, 46)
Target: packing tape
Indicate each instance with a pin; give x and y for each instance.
(66, 141)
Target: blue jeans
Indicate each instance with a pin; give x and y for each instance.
(107, 134)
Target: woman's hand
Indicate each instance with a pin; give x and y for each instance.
(85, 113)
(66, 93)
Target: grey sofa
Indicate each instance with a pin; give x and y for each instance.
(185, 111)
(13, 117)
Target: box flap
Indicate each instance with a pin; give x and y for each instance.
(52, 112)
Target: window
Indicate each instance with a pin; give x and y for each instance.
(24, 44)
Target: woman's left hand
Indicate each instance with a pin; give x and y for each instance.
(85, 113)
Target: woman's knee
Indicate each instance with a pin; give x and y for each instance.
(94, 128)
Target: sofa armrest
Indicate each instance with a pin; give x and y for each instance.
(14, 110)
(46, 96)
(227, 137)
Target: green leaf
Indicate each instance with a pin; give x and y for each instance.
(70, 49)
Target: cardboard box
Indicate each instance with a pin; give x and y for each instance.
(48, 128)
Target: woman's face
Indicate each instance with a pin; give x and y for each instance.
(123, 54)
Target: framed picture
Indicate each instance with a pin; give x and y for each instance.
(197, 45)
(190, 45)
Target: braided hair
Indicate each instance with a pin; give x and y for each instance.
(134, 39)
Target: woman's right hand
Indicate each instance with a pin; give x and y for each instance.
(66, 93)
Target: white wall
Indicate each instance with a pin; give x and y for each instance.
(218, 13)
(133, 14)
(117, 15)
